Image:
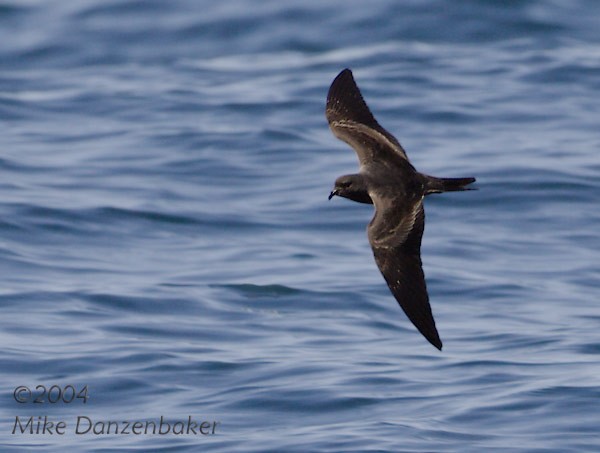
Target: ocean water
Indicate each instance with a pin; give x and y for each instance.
(166, 241)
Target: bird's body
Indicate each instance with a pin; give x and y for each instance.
(388, 180)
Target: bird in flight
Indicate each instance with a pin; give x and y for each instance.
(387, 180)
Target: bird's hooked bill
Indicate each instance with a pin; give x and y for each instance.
(333, 193)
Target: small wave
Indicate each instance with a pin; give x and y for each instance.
(251, 290)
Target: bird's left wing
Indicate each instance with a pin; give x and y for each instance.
(398, 257)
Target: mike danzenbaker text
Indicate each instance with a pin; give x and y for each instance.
(84, 425)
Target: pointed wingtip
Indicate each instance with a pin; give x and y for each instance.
(345, 102)
(343, 81)
(434, 339)
(344, 73)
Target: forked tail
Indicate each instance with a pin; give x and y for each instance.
(438, 185)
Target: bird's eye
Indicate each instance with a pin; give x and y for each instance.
(345, 184)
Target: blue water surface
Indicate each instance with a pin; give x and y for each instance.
(166, 238)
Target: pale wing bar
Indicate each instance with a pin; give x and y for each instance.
(345, 104)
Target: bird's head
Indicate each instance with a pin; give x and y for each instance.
(352, 187)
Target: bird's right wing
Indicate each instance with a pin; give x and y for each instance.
(351, 120)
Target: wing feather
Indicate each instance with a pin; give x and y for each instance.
(351, 120)
(399, 259)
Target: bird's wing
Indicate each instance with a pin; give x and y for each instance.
(397, 253)
(351, 120)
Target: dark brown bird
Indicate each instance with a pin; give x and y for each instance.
(387, 179)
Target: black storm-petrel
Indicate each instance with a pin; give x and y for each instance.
(387, 179)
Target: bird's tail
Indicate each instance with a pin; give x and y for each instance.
(438, 185)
